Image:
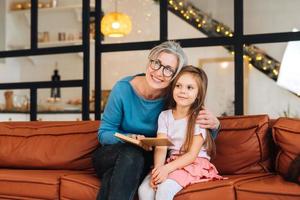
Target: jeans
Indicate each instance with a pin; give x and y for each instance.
(121, 167)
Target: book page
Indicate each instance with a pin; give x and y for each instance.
(128, 139)
(149, 141)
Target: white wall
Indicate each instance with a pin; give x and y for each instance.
(267, 97)
(2, 25)
(119, 64)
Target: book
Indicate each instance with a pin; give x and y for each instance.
(149, 141)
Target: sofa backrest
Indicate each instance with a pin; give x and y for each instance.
(243, 145)
(286, 135)
(48, 145)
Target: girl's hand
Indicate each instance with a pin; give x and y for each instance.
(207, 119)
(146, 147)
(152, 185)
(160, 174)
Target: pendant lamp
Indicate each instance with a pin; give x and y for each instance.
(115, 24)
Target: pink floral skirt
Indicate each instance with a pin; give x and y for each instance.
(200, 170)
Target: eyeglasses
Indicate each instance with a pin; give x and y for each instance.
(167, 70)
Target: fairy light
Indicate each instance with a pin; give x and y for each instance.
(258, 57)
(204, 22)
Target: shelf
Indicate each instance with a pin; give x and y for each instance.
(50, 44)
(58, 8)
(76, 8)
(44, 112)
(59, 43)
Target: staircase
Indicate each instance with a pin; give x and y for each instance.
(213, 28)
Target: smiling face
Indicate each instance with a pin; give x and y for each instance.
(186, 90)
(156, 78)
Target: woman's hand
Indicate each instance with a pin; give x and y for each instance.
(160, 174)
(207, 119)
(139, 137)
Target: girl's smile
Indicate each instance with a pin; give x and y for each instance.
(186, 90)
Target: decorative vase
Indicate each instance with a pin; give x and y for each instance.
(9, 105)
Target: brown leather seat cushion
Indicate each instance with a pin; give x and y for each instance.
(48, 145)
(286, 134)
(79, 187)
(272, 187)
(219, 189)
(243, 145)
(31, 184)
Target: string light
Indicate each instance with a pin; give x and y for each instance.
(211, 27)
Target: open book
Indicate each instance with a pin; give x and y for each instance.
(149, 141)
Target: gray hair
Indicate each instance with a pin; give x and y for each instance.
(170, 47)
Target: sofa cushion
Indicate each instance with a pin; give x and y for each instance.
(79, 186)
(243, 145)
(218, 189)
(30, 184)
(265, 188)
(48, 145)
(286, 134)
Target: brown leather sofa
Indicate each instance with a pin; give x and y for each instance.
(52, 160)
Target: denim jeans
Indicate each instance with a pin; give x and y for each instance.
(121, 167)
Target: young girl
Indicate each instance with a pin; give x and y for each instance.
(188, 160)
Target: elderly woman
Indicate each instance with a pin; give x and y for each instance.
(133, 107)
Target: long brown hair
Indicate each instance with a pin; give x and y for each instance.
(202, 81)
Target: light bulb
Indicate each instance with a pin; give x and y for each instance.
(115, 25)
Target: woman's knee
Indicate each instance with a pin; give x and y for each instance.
(104, 158)
(132, 156)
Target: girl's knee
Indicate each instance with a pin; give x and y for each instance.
(145, 192)
(142, 190)
(167, 190)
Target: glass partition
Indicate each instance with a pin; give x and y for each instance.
(42, 68)
(60, 23)
(216, 61)
(195, 19)
(14, 101)
(16, 24)
(263, 94)
(271, 16)
(144, 17)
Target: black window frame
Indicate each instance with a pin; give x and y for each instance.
(237, 41)
(35, 51)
